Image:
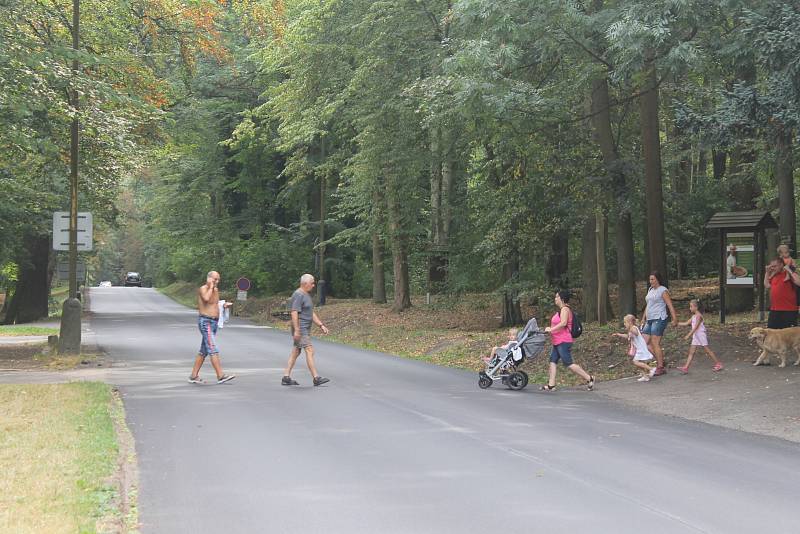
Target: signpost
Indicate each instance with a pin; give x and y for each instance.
(80, 271)
(70, 338)
(243, 286)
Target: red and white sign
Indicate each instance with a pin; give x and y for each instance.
(243, 284)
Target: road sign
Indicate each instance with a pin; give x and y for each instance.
(243, 284)
(63, 270)
(61, 230)
(241, 295)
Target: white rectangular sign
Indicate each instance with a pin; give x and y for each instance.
(241, 295)
(61, 230)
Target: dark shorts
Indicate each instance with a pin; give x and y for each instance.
(563, 352)
(655, 327)
(781, 319)
(208, 331)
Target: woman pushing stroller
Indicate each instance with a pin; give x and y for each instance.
(560, 331)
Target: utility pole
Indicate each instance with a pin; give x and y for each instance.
(73, 161)
(70, 338)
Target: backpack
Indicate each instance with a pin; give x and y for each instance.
(577, 326)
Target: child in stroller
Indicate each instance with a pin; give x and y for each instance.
(504, 362)
(512, 337)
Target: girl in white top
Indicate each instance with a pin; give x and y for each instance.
(637, 348)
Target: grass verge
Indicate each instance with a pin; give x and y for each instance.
(58, 295)
(182, 293)
(27, 330)
(58, 456)
(64, 362)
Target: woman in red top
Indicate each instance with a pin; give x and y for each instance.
(782, 279)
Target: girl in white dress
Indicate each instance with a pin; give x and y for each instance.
(637, 348)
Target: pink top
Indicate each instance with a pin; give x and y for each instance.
(563, 335)
(699, 337)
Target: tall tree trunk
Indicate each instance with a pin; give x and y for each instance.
(378, 272)
(719, 161)
(682, 169)
(557, 268)
(441, 178)
(446, 209)
(399, 242)
(512, 313)
(651, 146)
(321, 214)
(745, 189)
(604, 136)
(322, 237)
(625, 264)
(6, 303)
(436, 184)
(681, 174)
(602, 273)
(589, 269)
(784, 176)
(701, 170)
(30, 299)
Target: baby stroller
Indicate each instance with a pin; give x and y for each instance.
(503, 366)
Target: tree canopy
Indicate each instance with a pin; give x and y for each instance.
(402, 147)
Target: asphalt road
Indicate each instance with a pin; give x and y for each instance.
(398, 446)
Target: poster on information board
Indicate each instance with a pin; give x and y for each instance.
(740, 259)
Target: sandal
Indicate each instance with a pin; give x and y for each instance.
(547, 387)
(590, 383)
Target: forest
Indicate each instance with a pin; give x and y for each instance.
(396, 148)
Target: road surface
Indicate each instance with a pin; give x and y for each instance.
(398, 446)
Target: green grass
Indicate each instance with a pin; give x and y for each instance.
(182, 293)
(58, 295)
(58, 452)
(26, 330)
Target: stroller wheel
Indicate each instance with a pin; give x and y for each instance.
(484, 381)
(525, 376)
(517, 380)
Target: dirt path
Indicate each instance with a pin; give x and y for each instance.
(763, 400)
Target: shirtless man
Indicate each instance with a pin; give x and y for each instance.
(208, 306)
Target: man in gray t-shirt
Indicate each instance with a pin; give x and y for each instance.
(302, 304)
(303, 317)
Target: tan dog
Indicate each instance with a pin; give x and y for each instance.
(778, 342)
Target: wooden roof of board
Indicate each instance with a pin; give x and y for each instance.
(741, 220)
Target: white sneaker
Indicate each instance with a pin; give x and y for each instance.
(652, 372)
(643, 378)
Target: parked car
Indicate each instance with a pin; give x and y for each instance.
(133, 279)
(105, 283)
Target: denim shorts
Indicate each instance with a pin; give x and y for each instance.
(655, 327)
(208, 329)
(563, 352)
